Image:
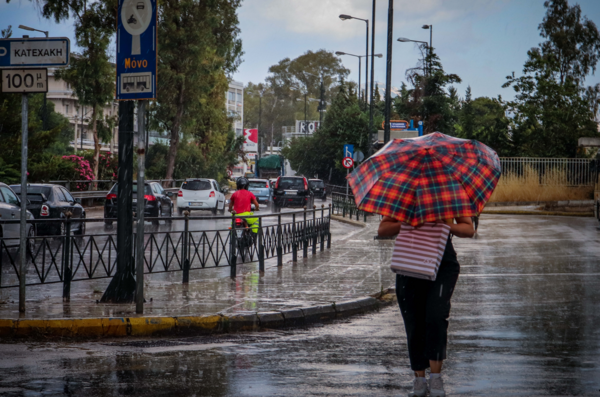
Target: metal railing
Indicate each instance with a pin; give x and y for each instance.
(555, 171)
(343, 205)
(75, 257)
(107, 184)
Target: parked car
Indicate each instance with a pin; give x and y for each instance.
(318, 188)
(47, 201)
(261, 188)
(157, 202)
(10, 209)
(292, 191)
(200, 194)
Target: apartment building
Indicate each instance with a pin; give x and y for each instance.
(66, 103)
(235, 105)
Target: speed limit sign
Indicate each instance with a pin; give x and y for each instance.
(347, 162)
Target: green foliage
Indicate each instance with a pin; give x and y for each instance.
(551, 107)
(199, 47)
(90, 73)
(321, 153)
(283, 101)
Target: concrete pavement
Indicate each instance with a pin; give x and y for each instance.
(524, 322)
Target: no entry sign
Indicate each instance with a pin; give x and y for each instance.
(347, 162)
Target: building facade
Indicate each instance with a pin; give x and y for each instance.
(235, 105)
(66, 103)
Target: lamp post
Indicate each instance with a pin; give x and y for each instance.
(339, 53)
(430, 27)
(388, 72)
(405, 40)
(45, 118)
(372, 80)
(345, 17)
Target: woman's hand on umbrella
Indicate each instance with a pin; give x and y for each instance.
(388, 227)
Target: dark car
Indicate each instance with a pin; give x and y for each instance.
(318, 188)
(292, 191)
(157, 202)
(47, 201)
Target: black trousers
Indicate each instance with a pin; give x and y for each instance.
(425, 308)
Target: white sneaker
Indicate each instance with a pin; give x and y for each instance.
(436, 387)
(419, 388)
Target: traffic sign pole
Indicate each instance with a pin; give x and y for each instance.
(23, 219)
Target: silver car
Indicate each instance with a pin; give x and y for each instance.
(10, 210)
(261, 188)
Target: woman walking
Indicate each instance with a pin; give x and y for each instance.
(425, 308)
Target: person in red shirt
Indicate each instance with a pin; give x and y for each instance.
(241, 202)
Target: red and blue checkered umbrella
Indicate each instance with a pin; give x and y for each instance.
(426, 179)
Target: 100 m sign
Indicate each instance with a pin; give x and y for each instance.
(24, 80)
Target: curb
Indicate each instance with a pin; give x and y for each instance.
(552, 213)
(191, 325)
(560, 203)
(348, 221)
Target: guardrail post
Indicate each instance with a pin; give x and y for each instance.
(68, 185)
(232, 246)
(304, 238)
(261, 247)
(294, 240)
(322, 228)
(279, 247)
(66, 260)
(314, 230)
(329, 229)
(185, 248)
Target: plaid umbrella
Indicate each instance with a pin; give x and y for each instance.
(425, 179)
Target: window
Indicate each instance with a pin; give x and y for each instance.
(318, 184)
(34, 193)
(196, 185)
(257, 184)
(239, 97)
(9, 196)
(215, 186)
(291, 183)
(67, 195)
(231, 96)
(59, 194)
(67, 109)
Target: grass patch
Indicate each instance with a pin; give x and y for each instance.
(531, 187)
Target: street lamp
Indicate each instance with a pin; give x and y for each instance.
(33, 30)
(345, 17)
(430, 27)
(405, 40)
(45, 118)
(339, 53)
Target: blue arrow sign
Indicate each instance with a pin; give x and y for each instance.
(348, 151)
(136, 49)
(35, 52)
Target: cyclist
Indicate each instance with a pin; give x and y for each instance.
(241, 202)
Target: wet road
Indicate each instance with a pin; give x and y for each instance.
(525, 322)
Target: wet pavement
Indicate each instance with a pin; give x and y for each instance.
(525, 321)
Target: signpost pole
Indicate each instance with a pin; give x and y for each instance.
(347, 173)
(139, 258)
(23, 224)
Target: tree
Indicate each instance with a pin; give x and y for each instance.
(467, 117)
(428, 100)
(551, 106)
(199, 48)
(90, 73)
(281, 100)
(321, 153)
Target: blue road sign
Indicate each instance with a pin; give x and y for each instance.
(136, 50)
(398, 125)
(348, 151)
(34, 52)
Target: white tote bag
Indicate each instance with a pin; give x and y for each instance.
(418, 251)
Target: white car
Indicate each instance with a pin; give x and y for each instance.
(200, 194)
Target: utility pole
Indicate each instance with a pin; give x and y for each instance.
(372, 81)
(388, 73)
(139, 251)
(259, 121)
(23, 212)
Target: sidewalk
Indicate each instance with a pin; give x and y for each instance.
(355, 267)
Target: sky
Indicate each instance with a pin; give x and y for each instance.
(482, 41)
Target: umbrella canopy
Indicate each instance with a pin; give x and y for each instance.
(425, 179)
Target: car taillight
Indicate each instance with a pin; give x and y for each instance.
(277, 183)
(149, 197)
(305, 184)
(212, 194)
(180, 194)
(45, 211)
(111, 196)
(267, 186)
